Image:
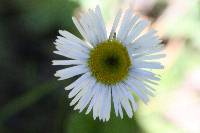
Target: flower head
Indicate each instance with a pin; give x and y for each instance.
(110, 68)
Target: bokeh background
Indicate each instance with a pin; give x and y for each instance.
(32, 101)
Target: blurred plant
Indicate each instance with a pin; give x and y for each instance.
(187, 25)
(26, 32)
(86, 124)
(41, 16)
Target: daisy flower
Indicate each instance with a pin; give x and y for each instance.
(112, 70)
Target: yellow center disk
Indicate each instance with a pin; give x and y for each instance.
(109, 62)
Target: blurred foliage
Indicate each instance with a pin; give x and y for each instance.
(187, 25)
(186, 61)
(31, 99)
(157, 9)
(86, 124)
(41, 16)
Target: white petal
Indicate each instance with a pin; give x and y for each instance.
(97, 89)
(129, 95)
(98, 102)
(115, 100)
(73, 38)
(115, 24)
(150, 34)
(150, 87)
(78, 96)
(149, 39)
(142, 96)
(125, 103)
(83, 89)
(87, 97)
(96, 27)
(88, 28)
(148, 65)
(128, 28)
(102, 106)
(71, 55)
(79, 87)
(150, 57)
(146, 43)
(80, 28)
(119, 104)
(145, 80)
(81, 79)
(153, 50)
(94, 102)
(101, 22)
(127, 16)
(67, 62)
(144, 74)
(105, 110)
(69, 44)
(136, 30)
(139, 84)
(118, 95)
(150, 81)
(120, 110)
(108, 107)
(71, 72)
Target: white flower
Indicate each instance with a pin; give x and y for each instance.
(110, 69)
